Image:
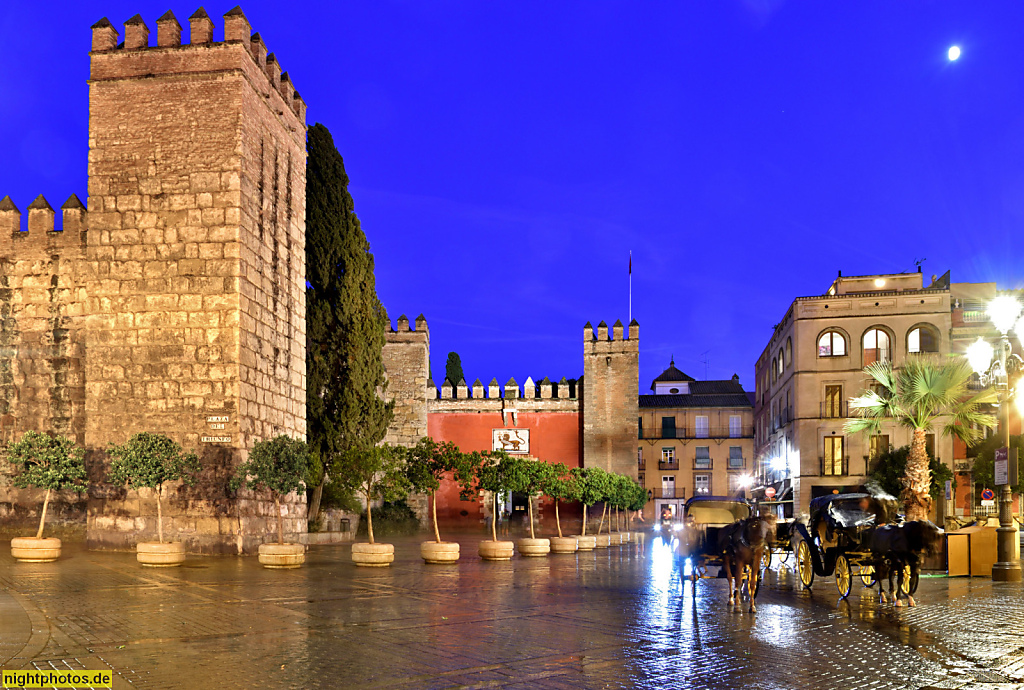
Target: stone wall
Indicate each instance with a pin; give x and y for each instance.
(610, 404)
(176, 304)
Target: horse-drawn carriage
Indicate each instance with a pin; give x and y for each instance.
(707, 524)
(838, 541)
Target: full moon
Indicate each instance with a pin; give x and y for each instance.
(954, 52)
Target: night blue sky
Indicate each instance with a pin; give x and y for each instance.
(506, 157)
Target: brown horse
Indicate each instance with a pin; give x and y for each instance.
(742, 545)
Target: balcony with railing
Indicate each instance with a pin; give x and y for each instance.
(668, 492)
(829, 469)
(668, 464)
(702, 463)
(737, 463)
(836, 409)
(743, 431)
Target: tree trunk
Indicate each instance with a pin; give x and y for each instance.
(601, 523)
(529, 510)
(314, 502)
(494, 516)
(42, 518)
(917, 480)
(280, 520)
(159, 515)
(433, 511)
(584, 532)
(558, 524)
(369, 518)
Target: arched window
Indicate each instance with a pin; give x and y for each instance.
(789, 352)
(876, 346)
(922, 339)
(782, 362)
(831, 344)
(775, 369)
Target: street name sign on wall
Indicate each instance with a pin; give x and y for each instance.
(511, 440)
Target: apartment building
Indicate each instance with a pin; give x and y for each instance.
(695, 438)
(813, 364)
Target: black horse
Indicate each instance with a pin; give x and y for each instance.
(742, 546)
(895, 547)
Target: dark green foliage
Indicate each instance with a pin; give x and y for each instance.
(594, 484)
(391, 518)
(47, 462)
(637, 498)
(560, 485)
(889, 468)
(377, 473)
(453, 368)
(337, 495)
(278, 465)
(345, 321)
(148, 460)
(983, 472)
(429, 461)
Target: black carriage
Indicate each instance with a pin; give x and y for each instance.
(834, 542)
(703, 518)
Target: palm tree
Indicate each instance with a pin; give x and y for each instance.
(915, 396)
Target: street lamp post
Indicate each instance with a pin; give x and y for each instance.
(993, 366)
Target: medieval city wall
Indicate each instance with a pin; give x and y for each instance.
(611, 391)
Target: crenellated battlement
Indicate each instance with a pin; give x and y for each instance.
(37, 227)
(530, 390)
(135, 57)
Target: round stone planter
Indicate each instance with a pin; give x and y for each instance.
(534, 547)
(586, 543)
(627, 537)
(615, 539)
(604, 541)
(155, 554)
(564, 544)
(32, 550)
(440, 552)
(497, 550)
(282, 555)
(373, 555)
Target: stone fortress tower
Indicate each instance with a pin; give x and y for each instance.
(176, 302)
(611, 403)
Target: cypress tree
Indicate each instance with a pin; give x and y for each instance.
(453, 368)
(345, 320)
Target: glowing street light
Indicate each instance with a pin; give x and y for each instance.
(993, 364)
(954, 53)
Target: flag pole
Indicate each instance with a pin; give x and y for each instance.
(631, 286)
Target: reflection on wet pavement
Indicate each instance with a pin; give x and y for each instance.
(618, 617)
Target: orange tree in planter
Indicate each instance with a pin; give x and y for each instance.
(377, 474)
(148, 460)
(47, 462)
(279, 466)
(559, 485)
(428, 462)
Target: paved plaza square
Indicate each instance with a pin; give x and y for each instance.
(618, 617)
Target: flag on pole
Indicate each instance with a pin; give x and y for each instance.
(631, 263)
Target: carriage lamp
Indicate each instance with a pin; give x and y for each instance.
(994, 364)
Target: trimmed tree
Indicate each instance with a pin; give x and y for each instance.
(528, 477)
(377, 474)
(637, 498)
(345, 321)
(916, 396)
(559, 485)
(278, 466)
(590, 483)
(47, 462)
(428, 463)
(147, 461)
(453, 368)
(493, 474)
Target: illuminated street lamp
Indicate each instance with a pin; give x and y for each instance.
(993, 365)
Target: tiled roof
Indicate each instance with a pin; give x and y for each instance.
(728, 393)
(672, 374)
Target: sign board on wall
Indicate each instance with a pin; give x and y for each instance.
(511, 440)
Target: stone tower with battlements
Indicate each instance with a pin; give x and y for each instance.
(176, 302)
(610, 402)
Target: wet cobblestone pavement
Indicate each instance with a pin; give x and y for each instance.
(606, 619)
